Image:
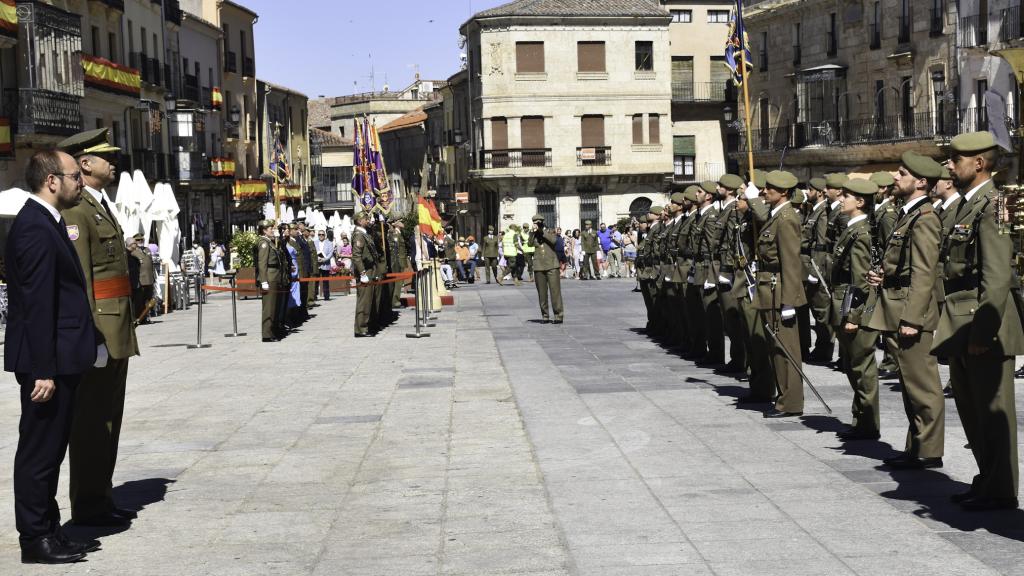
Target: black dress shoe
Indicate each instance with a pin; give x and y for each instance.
(48, 550)
(986, 504)
(888, 374)
(127, 513)
(947, 391)
(110, 519)
(364, 335)
(1019, 373)
(907, 462)
(853, 434)
(557, 321)
(274, 339)
(751, 399)
(84, 546)
(774, 413)
(961, 497)
(731, 368)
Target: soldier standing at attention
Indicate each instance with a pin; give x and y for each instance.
(762, 379)
(670, 239)
(705, 249)
(980, 331)
(99, 402)
(885, 221)
(490, 251)
(780, 287)
(590, 269)
(364, 268)
(399, 258)
(728, 275)
(648, 274)
(268, 275)
(812, 247)
(851, 261)
(546, 270)
(683, 260)
(147, 277)
(907, 313)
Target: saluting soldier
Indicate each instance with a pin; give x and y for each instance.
(907, 314)
(705, 239)
(546, 270)
(99, 401)
(364, 268)
(780, 287)
(980, 331)
(269, 268)
(762, 378)
(851, 261)
(727, 275)
(589, 269)
(398, 256)
(490, 250)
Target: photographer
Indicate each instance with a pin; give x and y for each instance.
(546, 269)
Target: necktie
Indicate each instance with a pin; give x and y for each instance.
(103, 201)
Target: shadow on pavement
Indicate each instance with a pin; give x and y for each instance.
(134, 496)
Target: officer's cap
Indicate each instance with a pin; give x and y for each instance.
(760, 178)
(293, 226)
(818, 184)
(882, 179)
(781, 180)
(835, 180)
(709, 186)
(798, 197)
(860, 187)
(362, 215)
(585, 222)
(973, 142)
(138, 237)
(656, 210)
(691, 192)
(538, 218)
(920, 166)
(678, 198)
(88, 142)
(731, 182)
(490, 228)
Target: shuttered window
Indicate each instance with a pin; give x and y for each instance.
(590, 56)
(638, 129)
(719, 71)
(654, 129)
(529, 57)
(532, 128)
(499, 134)
(592, 131)
(684, 146)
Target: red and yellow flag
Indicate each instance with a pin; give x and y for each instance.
(429, 219)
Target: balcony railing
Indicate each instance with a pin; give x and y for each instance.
(973, 31)
(172, 11)
(248, 67)
(701, 172)
(702, 92)
(190, 89)
(875, 36)
(46, 112)
(516, 158)
(936, 21)
(230, 64)
(1009, 24)
(594, 156)
(904, 29)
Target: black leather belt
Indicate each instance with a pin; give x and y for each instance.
(903, 282)
(727, 268)
(960, 284)
(774, 268)
(805, 251)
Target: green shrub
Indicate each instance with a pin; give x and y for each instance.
(243, 244)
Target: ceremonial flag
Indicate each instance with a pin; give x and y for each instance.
(279, 160)
(362, 165)
(429, 219)
(382, 186)
(735, 43)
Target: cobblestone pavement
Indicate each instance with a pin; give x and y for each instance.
(501, 446)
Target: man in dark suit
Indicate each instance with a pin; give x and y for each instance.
(51, 341)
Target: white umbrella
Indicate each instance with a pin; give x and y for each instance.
(143, 198)
(166, 206)
(12, 200)
(289, 215)
(125, 203)
(268, 211)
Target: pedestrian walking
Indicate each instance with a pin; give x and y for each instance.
(590, 269)
(490, 250)
(546, 271)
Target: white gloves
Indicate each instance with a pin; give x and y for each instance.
(788, 312)
(812, 278)
(708, 285)
(690, 278)
(724, 280)
(101, 356)
(364, 279)
(753, 267)
(265, 285)
(751, 191)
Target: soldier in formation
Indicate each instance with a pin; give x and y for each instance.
(365, 259)
(919, 260)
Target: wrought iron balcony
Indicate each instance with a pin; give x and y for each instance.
(516, 158)
(936, 20)
(172, 11)
(230, 62)
(46, 112)
(248, 67)
(699, 172)
(702, 92)
(875, 36)
(973, 31)
(1009, 24)
(190, 89)
(904, 29)
(594, 156)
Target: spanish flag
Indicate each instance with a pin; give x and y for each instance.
(430, 220)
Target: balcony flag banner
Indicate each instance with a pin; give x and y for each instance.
(103, 74)
(216, 99)
(363, 166)
(734, 44)
(429, 219)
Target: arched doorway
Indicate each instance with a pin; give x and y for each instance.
(639, 207)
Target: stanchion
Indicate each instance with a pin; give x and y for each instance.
(420, 317)
(199, 327)
(429, 304)
(234, 312)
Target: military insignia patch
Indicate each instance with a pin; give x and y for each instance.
(73, 232)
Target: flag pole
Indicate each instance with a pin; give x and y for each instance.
(746, 91)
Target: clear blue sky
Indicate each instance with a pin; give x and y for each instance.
(324, 46)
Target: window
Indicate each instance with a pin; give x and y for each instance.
(684, 151)
(96, 41)
(682, 78)
(142, 41)
(981, 109)
(532, 130)
(112, 47)
(547, 204)
(796, 43)
(590, 56)
(227, 36)
(590, 206)
(876, 26)
(638, 128)
(131, 39)
(499, 143)
(833, 45)
(654, 129)
(718, 16)
(592, 131)
(529, 57)
(939, 100)
(904, 33)
(879, 99)
(644, 55)
(681, 16)
(719, 76)
(763, 54)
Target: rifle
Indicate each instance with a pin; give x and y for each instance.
(745, 263)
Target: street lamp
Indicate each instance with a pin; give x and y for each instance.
(236, 114)
(727, 113)
(170, 102)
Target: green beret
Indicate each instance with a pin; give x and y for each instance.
(759, 178)
(798, 197)
(973, 142)
(818, 184)
(263, 224)
(920, 166)
(781, 180)
(945, 175)
(882, 179)
(362, 214)
(537, 218)
(731, 181)
(138, 237)
(691, 192)
(88, 142)
(585, 222)
(835, 180)
(860, 187)
(709, 186)
(678, 198)
(656, 210)
(490, 228)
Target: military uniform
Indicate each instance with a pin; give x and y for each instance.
(547, 271)
(762, 379)
(682, 261)
(731, 281)
(524, 242)
(906, 297)
(705, 238)
(399, 257)
(814, 247)
(590, 269)
(980, 311)
(99, 400)
(270, 273)
(648, 272)
(851, 261)
(147, 276)
(489, 246)
(364, 268)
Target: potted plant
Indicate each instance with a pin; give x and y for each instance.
(243, 244)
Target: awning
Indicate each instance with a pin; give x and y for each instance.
(684, 145)
(823, 72)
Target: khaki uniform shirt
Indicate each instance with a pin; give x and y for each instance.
(779, 281)
(544, 255)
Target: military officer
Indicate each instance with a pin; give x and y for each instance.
(308, 243)
(99, 401)
(399, 257)
(907, 314)
(780, 287)
(490, 246)
(648, 272)
(590, 269)
(528, 250)
(147, 277)
(364, 268)
(726, 273)
(269, 270)
(297, 243)
(704, 238)
(659, 254)
(980, 330)
(813, 246)
(851, 261)
(762, 378)
(680, 271)
(546, 270)
(821, 305)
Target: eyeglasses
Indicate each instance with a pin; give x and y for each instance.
(74, 176)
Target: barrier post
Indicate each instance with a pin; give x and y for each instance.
(420, 321)
(199, 325)
(234, 311)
